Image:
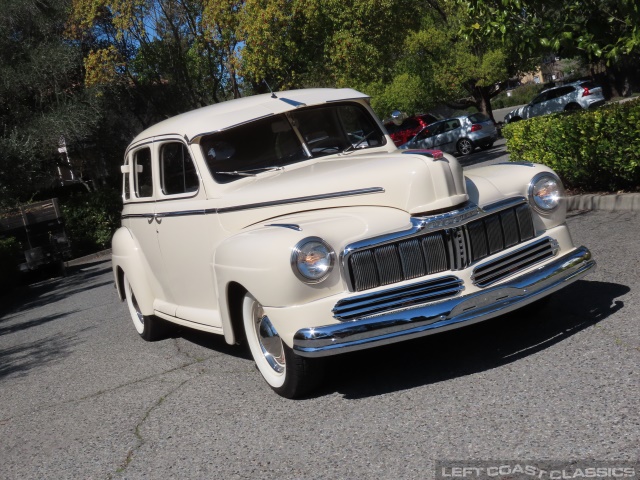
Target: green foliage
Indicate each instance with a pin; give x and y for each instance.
(595, 150)
(91, 220)
(457, 61)
(41, 95)
(406, 93)
(9, 255)
(602, 29)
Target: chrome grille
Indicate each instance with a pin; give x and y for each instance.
(506, 265)
(448, 249)
(396, 298)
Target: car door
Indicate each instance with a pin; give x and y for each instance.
(138, 212)
(187, 226)
(538, 105)
(445, 135)
(559, 99)
(427, 138)
(424, 138)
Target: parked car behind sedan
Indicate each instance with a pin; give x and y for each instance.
(460, 134)
(401, 133)
(573, 96)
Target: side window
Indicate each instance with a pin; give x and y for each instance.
(177, 171)
(142, 175)
(452, 125)
(540, 98)
(564, 91)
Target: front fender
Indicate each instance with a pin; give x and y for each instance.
(259, 258)
(496, 182)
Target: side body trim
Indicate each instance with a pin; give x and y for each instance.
(251, 206)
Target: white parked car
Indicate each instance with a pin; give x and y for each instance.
(292, 222)
(573, 96)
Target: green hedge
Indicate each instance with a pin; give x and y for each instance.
(91, 220)
(594, 150)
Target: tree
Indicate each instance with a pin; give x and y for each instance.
(298, 43)
(174, 55)
(41, 95)
(451, 63)
(598, 30)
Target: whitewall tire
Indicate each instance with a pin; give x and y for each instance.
(287, 373)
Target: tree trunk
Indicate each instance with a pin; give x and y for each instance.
(482, 97)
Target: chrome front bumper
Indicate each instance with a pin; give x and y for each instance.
(453, 313)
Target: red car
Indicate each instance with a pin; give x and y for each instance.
(401, 134)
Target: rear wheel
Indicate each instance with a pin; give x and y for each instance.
(148, 327)
(464, 146)
(287, 373)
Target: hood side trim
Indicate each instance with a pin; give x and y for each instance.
(310, 198)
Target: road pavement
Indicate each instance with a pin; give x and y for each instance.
(84, 397)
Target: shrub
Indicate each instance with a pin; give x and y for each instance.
(595, 150)
(91, 219)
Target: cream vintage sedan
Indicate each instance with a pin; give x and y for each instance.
(292, 222)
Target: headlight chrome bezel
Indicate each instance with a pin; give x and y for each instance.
(534, 187)
(299, 249)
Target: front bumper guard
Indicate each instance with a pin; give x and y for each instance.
(414, 322)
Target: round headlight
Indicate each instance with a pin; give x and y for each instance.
(546, 192)
(312, 260)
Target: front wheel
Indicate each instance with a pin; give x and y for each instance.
(148, 327)
(287, 373)
(464, 146)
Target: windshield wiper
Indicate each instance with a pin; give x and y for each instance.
(356, 145)
(250, 173)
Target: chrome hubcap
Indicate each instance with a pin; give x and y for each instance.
(269, 340)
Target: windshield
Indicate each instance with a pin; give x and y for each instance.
(279, 140)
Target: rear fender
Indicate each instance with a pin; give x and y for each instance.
(127, 259)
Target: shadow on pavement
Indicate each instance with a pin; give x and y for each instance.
(17, 360)
(476, 348)
(79, 279)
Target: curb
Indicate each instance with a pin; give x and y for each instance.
(621, 202)
(89, 258)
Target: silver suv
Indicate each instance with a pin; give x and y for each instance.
(573, 96)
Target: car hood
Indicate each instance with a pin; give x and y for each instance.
(407, 181)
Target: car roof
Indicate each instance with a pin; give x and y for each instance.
(571, 84)
(221, 116)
